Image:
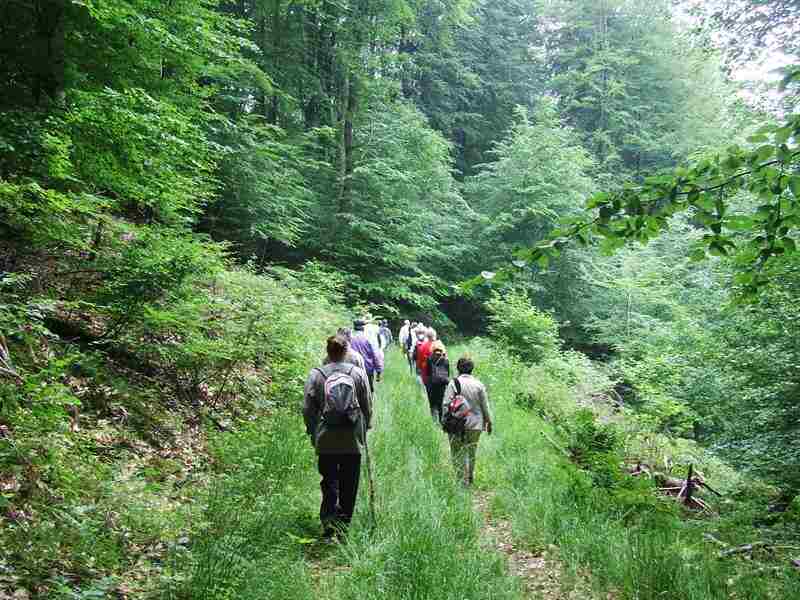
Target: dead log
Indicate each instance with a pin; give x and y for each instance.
(753, 546)
(711, 538)
(743, 549)
(555, 445)
(688, 488)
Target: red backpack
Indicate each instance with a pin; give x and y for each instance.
(454, 417)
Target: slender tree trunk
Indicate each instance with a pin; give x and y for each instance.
(603, 124)
(349, 105)
(49, 50)
(271, 112)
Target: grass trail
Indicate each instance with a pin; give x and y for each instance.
(427, 545)
(533, 527)
(260, 539)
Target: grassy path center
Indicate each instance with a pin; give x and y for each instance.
(430, 542)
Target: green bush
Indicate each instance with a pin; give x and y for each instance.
(527, 332)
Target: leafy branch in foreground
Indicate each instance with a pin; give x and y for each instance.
(768, 171)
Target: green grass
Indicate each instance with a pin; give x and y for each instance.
(426, 544)
(630, 542)
(260, 535)
(259, 519)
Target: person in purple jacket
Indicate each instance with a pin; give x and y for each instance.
(373, 357)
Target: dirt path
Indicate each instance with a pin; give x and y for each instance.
(540, 574)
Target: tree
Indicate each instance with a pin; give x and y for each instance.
(521, 195)
(398, 238)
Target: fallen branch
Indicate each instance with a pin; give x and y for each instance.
(6, 367)
(711, 538)
(555, 445)
(747, 548)
(709, 488)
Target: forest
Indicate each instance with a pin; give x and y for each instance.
(600, 199)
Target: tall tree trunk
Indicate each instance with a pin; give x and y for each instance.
(271, 109)
(603, 125)
(349, 105)
(49, 50)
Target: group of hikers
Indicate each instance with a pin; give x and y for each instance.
(338, 406)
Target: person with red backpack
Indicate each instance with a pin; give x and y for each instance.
(465, 414)
(421, 353)
(337, 410)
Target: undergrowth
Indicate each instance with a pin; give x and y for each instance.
(106, 415)
(559, 472)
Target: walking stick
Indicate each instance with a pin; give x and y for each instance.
(370, 481)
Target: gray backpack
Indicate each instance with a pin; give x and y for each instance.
(340, 408)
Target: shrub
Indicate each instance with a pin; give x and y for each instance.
(529, 333)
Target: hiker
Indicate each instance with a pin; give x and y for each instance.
(373, 332)
(421, 353)
(337, 411)
(402, 335)
(385, 336)
(351, 356)
(438, 371)
(476, 418)
(406, 339)
(372, 355)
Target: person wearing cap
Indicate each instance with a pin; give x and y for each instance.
(438, 373)
(372, 355)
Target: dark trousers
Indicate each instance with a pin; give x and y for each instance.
(435, 398)
(340, 475)
(371, 377)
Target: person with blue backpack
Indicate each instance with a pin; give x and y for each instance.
(337, 410)
(465, 414)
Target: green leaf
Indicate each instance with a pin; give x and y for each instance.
(697, 255)
(757, 138)
(717, 249)
(794, 185)
(764, 153)
(782, 135)
(739, 223)
(597, 200)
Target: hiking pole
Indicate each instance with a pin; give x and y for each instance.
(370, 481)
